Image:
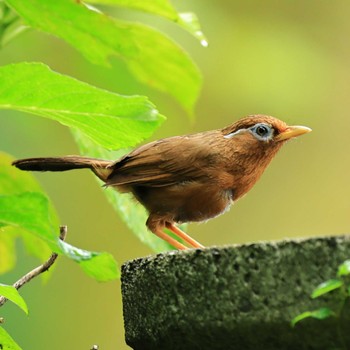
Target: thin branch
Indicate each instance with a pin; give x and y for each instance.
(38, 270)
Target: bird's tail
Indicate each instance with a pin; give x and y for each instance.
(98, 166)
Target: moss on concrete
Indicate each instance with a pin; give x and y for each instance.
(234, 297)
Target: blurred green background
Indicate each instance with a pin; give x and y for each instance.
(289, 59)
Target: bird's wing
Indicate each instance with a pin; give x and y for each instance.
(164, 162)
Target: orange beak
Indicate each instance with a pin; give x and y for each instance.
(292, 131)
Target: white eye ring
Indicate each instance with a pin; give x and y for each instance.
(262, 131)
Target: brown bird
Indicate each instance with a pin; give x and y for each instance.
(187, 178)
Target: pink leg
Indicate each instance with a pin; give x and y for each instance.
(169, 239)
(183, 235)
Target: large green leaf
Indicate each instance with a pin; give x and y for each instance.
(187, 20)
(12, 294)
(25, 211)
(109, 119)
(7, 250)
(11, 24)
(6, 341)
(13, 181)
(158, 7)
(30, 211)
(152, 57)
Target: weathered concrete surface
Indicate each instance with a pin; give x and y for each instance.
(234, 297)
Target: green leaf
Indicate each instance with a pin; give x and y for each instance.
(7, 342)
(190, 22)
(33, 245)
(153, 58)
(344, 268)
(187, 20)
(101, 265)
(109, 119)
(157, 7)
(13, 181)
(319, 314)
(10, 24)
(29, 211)
(33, 212)
(132, 213)
(7, 250)
(167, 68)
(326, 287)
(11, 293)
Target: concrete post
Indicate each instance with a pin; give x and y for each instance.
(234, 297)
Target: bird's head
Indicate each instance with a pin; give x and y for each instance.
(262, 131)
(252, 142)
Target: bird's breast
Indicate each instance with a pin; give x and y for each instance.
(186, 202)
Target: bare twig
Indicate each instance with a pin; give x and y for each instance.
(38, 270)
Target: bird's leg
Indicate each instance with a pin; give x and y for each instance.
(156, 224)
(179, 233)
(158, 232)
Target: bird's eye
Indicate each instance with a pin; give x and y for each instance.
(262, 131)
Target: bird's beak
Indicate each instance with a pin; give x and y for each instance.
(292, 131)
